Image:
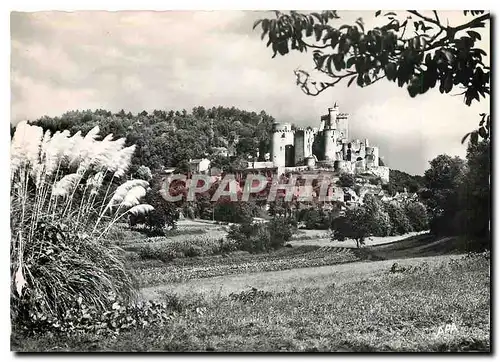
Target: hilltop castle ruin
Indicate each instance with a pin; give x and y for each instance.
(325, 148)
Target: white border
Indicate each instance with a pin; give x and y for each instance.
(66, 5)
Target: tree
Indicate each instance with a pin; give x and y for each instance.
(441, 194)
(399, 181)
(475, 191)
(417, 215)
(381, 223)
(399, 220)
(167, 138)
(410, 49)
(357, 224)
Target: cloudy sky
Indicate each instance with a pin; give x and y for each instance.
(173, 60)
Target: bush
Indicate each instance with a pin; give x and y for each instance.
(237, 212)
(166, 250)
(63, 267)
(262, 237)
(315, 219)
(83, 318)
(281, 230)
(165, 214)
(63, 203)
(346, 180)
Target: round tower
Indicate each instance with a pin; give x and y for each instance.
(330, 137)
(282, 137)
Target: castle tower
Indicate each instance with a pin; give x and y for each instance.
(372, 155)
(330, 134)
(332, 119)
(282, 143)
(303, 143)
(342, 125)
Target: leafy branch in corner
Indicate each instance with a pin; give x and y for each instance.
(411, 49)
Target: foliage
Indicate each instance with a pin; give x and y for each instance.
(281, 230)
(168, 138)
(431, 53)
(59, 214)
(399, 220)
(417, 215)
(381, 221)
(482, 132)
(362, 221)
(165, 249)
(116, 319)
(315, 219)
(357, 224)
(261, 237)
(61, 267)
(458, 194)
(346, 180)
(164, 215)
(475, 191)
(441, 195)
(236, 212)
(144, 173)
(399, 181)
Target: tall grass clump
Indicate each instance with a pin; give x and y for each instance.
(65, 196)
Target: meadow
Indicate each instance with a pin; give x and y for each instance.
(402, 308)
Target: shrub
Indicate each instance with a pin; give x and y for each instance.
(59, 215)
(235, 211)
(281, 230)
(346, 180)
(262, 237)
(117, 318)
(165, 249)
(62, 267)
(164, 215)
(315, 219)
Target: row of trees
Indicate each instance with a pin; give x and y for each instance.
(376, 218)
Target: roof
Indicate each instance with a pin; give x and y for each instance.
(198, 160)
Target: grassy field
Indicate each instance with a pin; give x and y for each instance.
(405, 309)
(154, 272)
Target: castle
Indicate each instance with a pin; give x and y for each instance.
(324, 148)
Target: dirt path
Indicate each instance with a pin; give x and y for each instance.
(287, 279)
(350, 243)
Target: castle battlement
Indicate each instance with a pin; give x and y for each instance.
(294, 148)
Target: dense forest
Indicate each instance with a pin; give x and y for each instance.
(167, 138)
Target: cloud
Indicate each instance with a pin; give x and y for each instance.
(174, 60)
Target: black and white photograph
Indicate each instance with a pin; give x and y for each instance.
(250, 181)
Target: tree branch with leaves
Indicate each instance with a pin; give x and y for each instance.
(411, 49)
(434, 54)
